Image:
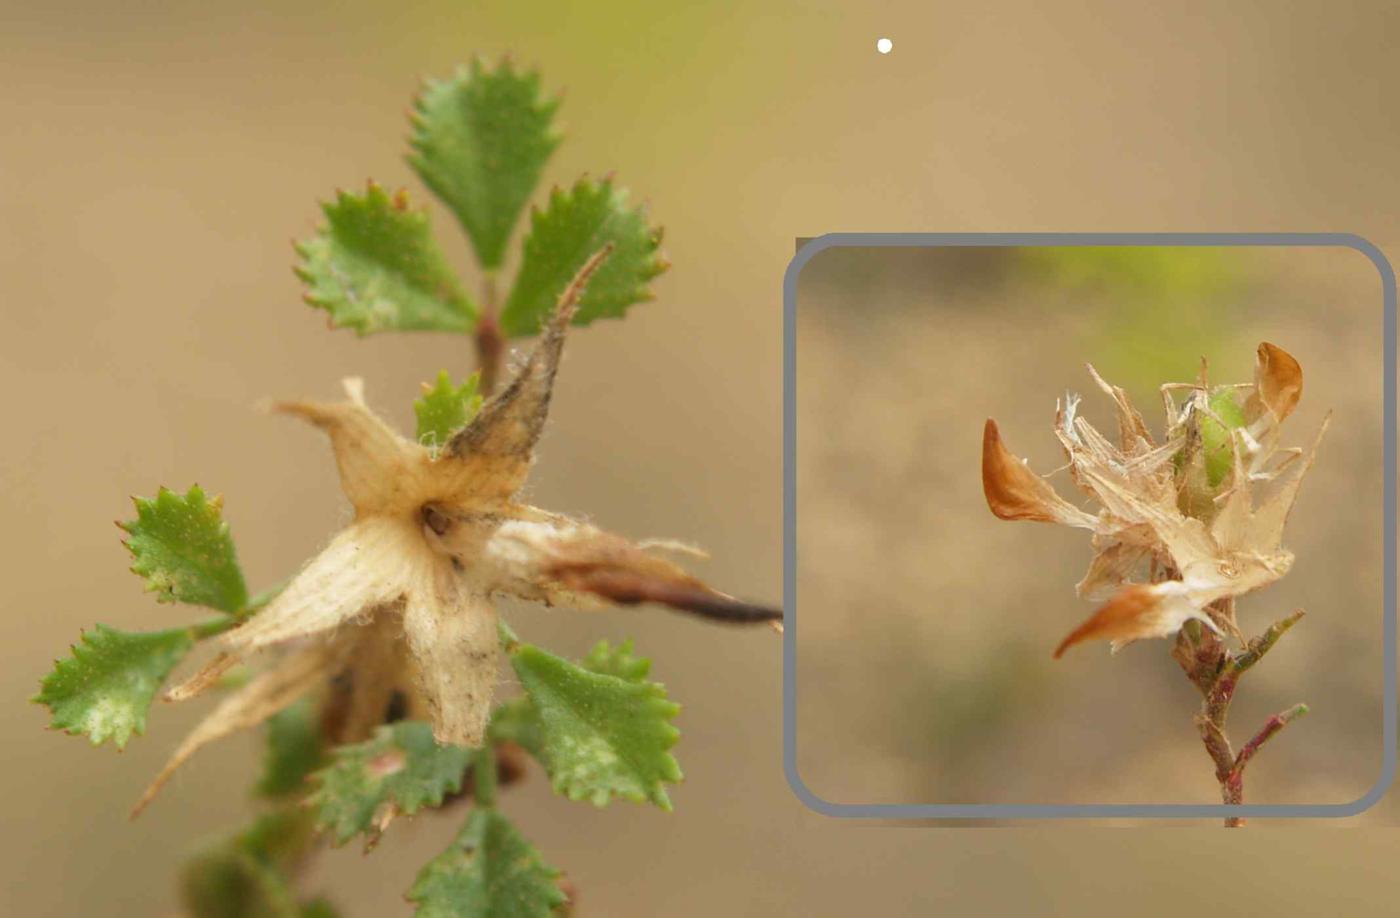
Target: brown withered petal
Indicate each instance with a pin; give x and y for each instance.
(377, 680)
(1278, 379)
(1133, 434)
(629, 588)
(1111, 566)
(554, 559)
(376, 465)
(270, 691)
(1014, 492)
(207, 677)
(1264, 533)
(452, 637)
(371, 563)
(1137, 611)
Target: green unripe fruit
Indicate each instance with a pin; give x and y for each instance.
(1216, 436)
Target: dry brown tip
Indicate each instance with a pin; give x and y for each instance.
(684, 594)
(1278, 378)
(568, 300)
(201, 681)
(1119, 619)
(1013, 491)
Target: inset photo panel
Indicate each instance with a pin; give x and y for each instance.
(1090, 526)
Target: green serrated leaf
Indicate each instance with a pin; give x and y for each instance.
(600, 733)
(518, 721)
(617, 661)
(183, 549)
(481, 139)
(576, 224)
(489, 871)
(106, 687)
(399, 770)
(294, 750)
(445, 409)
(375, 267)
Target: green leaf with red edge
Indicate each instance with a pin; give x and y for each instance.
(573, 226)
(374, 266)
(480, 140)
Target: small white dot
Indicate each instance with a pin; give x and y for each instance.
(884, 45)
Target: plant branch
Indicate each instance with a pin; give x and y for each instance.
(1218, 747)
(1271, 727)
(1216, 672)
(484, 775)
(1264, 642)
(490, 343)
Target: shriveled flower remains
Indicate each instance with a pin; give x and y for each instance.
(399, 607)
(1185, 525)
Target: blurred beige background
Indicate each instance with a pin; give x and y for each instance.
(157, 159)
(924, 654)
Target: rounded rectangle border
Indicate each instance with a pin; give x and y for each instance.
(807, 252)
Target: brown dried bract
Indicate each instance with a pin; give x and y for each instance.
(1137, 611)
(1278, 380)
(1014, 492)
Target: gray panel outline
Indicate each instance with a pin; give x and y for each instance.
(1089, 810)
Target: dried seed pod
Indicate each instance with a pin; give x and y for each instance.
(1186, 508)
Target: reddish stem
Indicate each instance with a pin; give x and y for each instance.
(1216, 672)
(490, 343)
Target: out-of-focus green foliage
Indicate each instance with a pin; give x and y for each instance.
(489, 871)
(1153, 305)
(250, 874)
(294, 750)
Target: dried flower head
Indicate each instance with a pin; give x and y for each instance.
(1184, 526)
(399, 607)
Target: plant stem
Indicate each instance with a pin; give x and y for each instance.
(211, 627)
(1271, 727)
(490, 343)
(484, 775)
(1216, 672)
